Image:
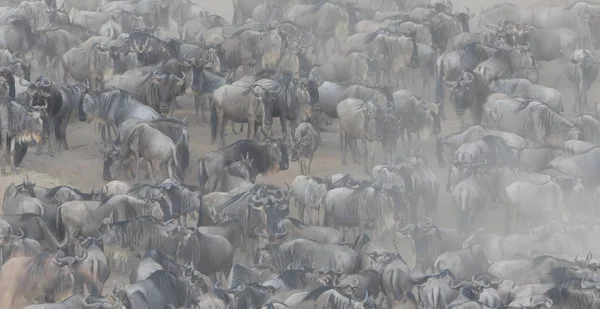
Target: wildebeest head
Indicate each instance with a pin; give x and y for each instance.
(471, 290)
(26, 187)
(592, 19)
(463, 18)
(41, 87)
(266, 98)
(165, 84)
(24, 60)
(69, 261)
(243, 168)
(112, 163)
(273, 204)
(299, 146)
(420, 234)
(278, 152)
(589, 66)
(462, 92)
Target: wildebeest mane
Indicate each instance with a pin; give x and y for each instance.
(551, 120)
(297, 223)
(17, 115)
(38, 271)
(371, 36)
(130, 234)
(294, 278)
(572, 298)
(55, 190)
(334, 300)
(172, 288)
(314, 294)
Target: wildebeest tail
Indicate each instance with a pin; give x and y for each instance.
(175, 166)
(202, 177)
(60, 228)
(94, 290)
(439, 84)
(183, 152)
(57, 133)
(213, 123)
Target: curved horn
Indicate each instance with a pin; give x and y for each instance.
(21, 80)
(468, 11)
(461, 284)
(261, 234)
(408, 228)
(356, 283)
(428, 222)
(282, 234)
(82, 258)
(19, 236)
(48, 84)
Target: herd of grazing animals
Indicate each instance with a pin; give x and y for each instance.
(528, 152)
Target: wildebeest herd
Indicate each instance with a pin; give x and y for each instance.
(379, 70)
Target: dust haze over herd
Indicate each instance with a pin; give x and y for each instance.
(334, 154)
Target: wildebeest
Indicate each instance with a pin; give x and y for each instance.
(46, 95)
(450, 66)
(367, 207)
(238, 174)
(582, 71)
(290, 99)
(520, 87)
(415, 116)
(175, 129)
(90, 64)
(87, 216)
(19, 201)
(160, 289)
(113, 107)
(153, 89)
(267, 157)
(309, 192)
(359, 120)
(431, 241)
(534, 202)
(94, 270)
(397, 53)
(238, 104)
(157, 149)
(328, 21)
(294, 228)
(463, 263)
(468, 199)
(29, 277)
(306, 142)
(469, 91)
(530, 119)
(207, 253)
(17, 126)
(517, 62)
(335, 257)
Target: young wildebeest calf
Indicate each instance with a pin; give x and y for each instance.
(156, 148)
(306, 142)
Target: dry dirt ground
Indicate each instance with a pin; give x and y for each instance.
(81, 166)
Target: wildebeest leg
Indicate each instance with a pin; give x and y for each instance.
(197, 102)
(364, 143)
(409, 143)
(310, 158)
(300, 208)
(343, 146)
(221, 127)
(5, 151)
(251, 128)
(137, 168)
(10, 156)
